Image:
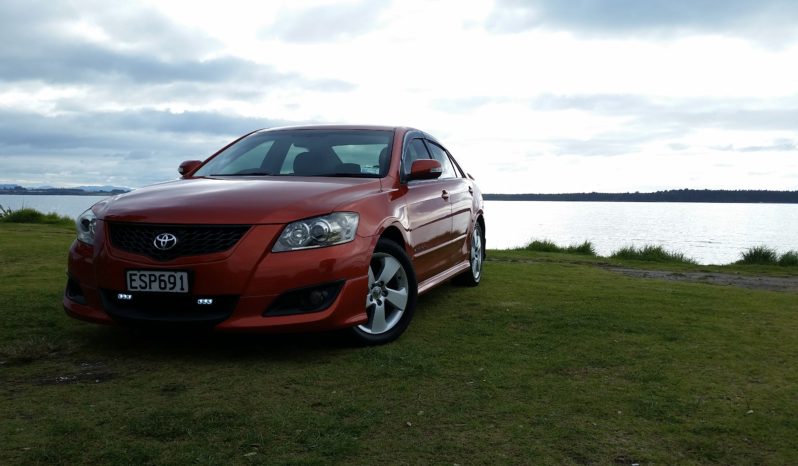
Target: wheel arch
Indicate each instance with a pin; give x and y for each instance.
(481, 221)
(393, 233)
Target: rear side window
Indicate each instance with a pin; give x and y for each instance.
(441, 156)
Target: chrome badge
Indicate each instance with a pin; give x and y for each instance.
(165, 241)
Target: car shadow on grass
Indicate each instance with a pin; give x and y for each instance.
(171, 342)
(76, 353)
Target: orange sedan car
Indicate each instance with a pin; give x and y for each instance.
(288, 229)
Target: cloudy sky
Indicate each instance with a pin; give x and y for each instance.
(530, 96)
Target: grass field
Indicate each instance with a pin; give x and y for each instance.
(554, 359)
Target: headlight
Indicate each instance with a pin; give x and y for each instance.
(318, 232)
(85, 225)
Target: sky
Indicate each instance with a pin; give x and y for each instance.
(540, 96)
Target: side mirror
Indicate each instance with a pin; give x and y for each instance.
(188, 166)
(425, 169)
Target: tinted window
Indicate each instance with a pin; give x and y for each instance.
(362, 155)
(441, 156)
(415, 150)
(458, 169)
(359, 153)
(249, 156)
(287, 167)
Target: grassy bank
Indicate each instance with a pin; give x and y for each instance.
(763, 255)
(758, 255)
(28, 215)
(552, 360)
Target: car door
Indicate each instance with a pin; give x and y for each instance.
(461, 195)
(428, 215)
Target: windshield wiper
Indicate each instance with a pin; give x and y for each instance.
(351, 175)
(243, 174)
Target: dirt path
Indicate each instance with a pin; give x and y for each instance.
(789, 284)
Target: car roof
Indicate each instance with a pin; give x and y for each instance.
(337, 127)
(405, 129)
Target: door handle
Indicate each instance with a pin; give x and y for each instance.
(445, 194)
(471, 190)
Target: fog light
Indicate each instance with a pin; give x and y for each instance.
(124, 297)
(205, 301)
(311, 299)
(317, 297)
(74, 292)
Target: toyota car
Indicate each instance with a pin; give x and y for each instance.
(309, 228)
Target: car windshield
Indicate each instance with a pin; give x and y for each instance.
(322, 152)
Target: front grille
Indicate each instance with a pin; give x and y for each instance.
(192, 240)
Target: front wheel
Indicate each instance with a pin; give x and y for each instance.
(391, 295)
(473, 275)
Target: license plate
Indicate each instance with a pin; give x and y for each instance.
(157, 281)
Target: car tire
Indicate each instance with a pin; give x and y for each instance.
(476, 259)
(391, 295)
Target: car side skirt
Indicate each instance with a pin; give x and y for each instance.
(447, 274)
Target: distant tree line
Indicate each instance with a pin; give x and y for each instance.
(674, 195)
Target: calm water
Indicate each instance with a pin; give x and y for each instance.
(63, 205)
(709, 233)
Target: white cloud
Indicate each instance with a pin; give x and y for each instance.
(559, 100)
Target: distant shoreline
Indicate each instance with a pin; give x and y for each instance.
(676, 195)
(58, 192)
(98, 193)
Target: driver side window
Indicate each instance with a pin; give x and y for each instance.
(415, 150)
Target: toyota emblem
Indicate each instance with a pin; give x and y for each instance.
(165, 241)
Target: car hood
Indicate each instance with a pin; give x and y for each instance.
(226, 201)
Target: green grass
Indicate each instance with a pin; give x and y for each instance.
(551, 360)
(586, 248)
(646, 253)
(789, 259)
(28, 215)
(761, 255)
(651, 254)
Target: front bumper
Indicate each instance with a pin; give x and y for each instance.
(243, 283)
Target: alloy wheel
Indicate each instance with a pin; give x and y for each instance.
(387, 295)
(477, 254)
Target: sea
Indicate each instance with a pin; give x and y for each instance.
(707, 233)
